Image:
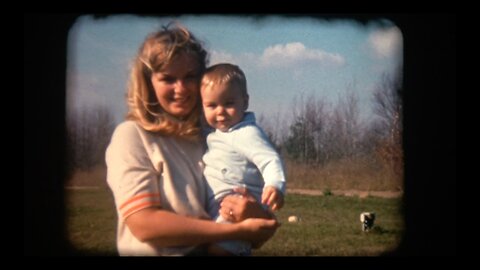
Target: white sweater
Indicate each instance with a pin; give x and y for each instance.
(147, 170)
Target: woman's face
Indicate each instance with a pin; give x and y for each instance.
(177, 85)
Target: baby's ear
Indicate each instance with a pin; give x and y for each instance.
(245, 102)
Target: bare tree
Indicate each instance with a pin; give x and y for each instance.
(349, 111)
(88, 134)
(388, 106)
(339, 130)
(274, 124)
(320, 136)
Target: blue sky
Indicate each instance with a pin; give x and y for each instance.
(282, 57)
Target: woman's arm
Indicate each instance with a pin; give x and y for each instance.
(163, 228)
(242, 205)
(130, 173)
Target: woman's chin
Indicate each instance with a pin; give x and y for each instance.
(181, 112)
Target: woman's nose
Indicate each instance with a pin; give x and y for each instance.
(181, 86)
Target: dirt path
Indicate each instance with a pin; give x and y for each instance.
(313, 192)
(349, 193)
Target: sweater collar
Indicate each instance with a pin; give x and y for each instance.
(248, 119)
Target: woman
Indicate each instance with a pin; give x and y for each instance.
(154, 158)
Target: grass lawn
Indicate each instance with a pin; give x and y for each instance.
(328, 226)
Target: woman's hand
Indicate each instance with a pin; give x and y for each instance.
(242, 205)
(258, 230)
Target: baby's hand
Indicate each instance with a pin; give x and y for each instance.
(272, 197)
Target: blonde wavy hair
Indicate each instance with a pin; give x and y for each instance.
(157, 51)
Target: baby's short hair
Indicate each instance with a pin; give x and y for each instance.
(224, 73)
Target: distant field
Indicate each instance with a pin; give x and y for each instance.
(360, 175)
(329, 225)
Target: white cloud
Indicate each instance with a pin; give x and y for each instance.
(294, 54)
(217, 57)
(244, 60)
(386, 42)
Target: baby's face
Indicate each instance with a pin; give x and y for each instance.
(223, 105)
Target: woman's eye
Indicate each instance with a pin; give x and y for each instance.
(191, 77)
(168, 79)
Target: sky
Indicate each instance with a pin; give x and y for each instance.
(282, 57)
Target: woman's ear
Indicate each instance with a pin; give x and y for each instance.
(245, 102)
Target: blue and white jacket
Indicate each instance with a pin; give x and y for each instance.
(241, 156)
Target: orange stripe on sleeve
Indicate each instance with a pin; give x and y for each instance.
(139, 197)
(140, 206)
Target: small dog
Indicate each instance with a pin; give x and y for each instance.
(367, 219)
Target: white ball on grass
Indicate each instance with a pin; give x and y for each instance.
(293, 219)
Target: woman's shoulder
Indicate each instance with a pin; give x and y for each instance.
(127, 129)
(127, 125)
(130, 130)
(128, 139)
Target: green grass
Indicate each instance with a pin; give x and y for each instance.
(329, 225)
(91, 221)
